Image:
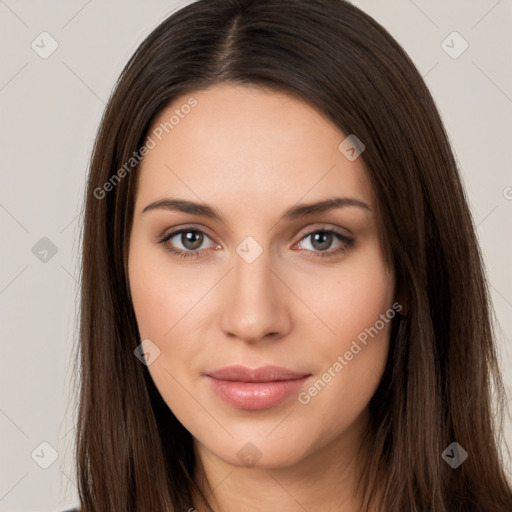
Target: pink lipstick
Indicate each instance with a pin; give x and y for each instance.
(253, 389)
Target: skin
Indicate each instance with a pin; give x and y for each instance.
(251, 154)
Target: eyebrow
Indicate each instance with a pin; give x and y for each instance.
(292, 213)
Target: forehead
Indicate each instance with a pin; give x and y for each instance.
(240, 143)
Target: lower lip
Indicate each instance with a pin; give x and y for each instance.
(256, 395)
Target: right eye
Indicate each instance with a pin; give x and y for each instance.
(190, 239)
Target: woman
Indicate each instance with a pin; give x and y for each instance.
(283, 300)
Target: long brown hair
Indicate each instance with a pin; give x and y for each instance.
(442, 376)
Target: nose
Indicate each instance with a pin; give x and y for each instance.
(254, 307)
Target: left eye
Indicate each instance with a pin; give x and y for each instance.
(321, 240)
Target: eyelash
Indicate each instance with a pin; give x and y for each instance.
(346, 243)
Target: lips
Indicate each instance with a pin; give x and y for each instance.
(262, 374)
(259, 388)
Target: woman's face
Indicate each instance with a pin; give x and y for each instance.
(266, 279)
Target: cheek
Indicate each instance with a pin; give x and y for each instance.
(351, 347)
(169, 301)
(162, 294)
(348, 298)
(165, 302)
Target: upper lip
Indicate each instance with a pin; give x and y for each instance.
(240, 373)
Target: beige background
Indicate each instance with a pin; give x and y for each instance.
(50, 110)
